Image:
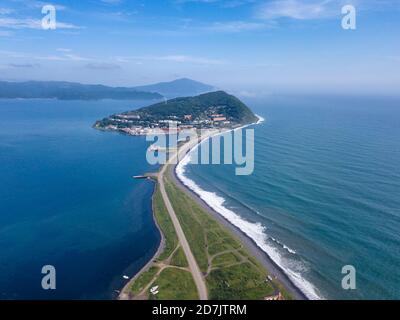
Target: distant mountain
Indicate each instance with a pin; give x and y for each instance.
(77, 91)
(178, 88)
(71, 91)
(206, 110)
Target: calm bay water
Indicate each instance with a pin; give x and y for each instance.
(67, 199)
(325, 192)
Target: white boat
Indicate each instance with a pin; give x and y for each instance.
(125, 277)
(154, 289)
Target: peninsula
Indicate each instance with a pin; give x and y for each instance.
(201, 255)
(206, 111)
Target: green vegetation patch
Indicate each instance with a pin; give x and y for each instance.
(165, 223)
(212, 102)
(202, 110)
(241, 282)
(179, 258)
(175, 284)
(144, 279)
(187, 212)
(218, 247)
(225, 259)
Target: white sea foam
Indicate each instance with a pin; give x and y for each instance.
(260, 119)
(283, 245)
(255, 231)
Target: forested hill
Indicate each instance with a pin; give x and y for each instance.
(214, 109)
(70, 91)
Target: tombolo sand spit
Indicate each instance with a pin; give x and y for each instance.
(249, 243)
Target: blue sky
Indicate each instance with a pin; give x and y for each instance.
(251, 47)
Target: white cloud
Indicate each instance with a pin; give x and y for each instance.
(41, 4)
(50, 58)
(63, 50)
(5, 11)
(13, 54)
(13, 23)
(75, 57)
(190, 59)
(64, 25)
(201, 1)
(102, 66)
(111, 1)
(62, 57)
(172, 58)
(221, 3)
(296, 9)
(23, 65)
(317, 9)
(235, 26)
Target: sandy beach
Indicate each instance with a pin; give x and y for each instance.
(248, 243)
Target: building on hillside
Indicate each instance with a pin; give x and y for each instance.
(219, 119)
(170, 122)
(170, 130)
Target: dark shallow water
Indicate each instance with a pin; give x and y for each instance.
(326, 189)
(67, 199)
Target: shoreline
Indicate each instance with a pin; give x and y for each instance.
(249, 244)
(267, 262)
(124, 293)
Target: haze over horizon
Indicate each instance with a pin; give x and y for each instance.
(249, 47)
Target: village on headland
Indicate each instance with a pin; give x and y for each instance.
(213, 110)
(132, 124)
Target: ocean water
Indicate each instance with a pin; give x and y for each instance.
(67, 199)
(325, 192)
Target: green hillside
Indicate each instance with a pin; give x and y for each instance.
(202, 110)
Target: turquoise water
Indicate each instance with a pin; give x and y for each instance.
(67, 199)
(325, 191)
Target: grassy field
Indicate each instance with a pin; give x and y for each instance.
(193, 223)
(179, 259)
(144, 279)
(169, 271)
(165, 223)
(230, 272)
(241, 281)
(175, 284)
